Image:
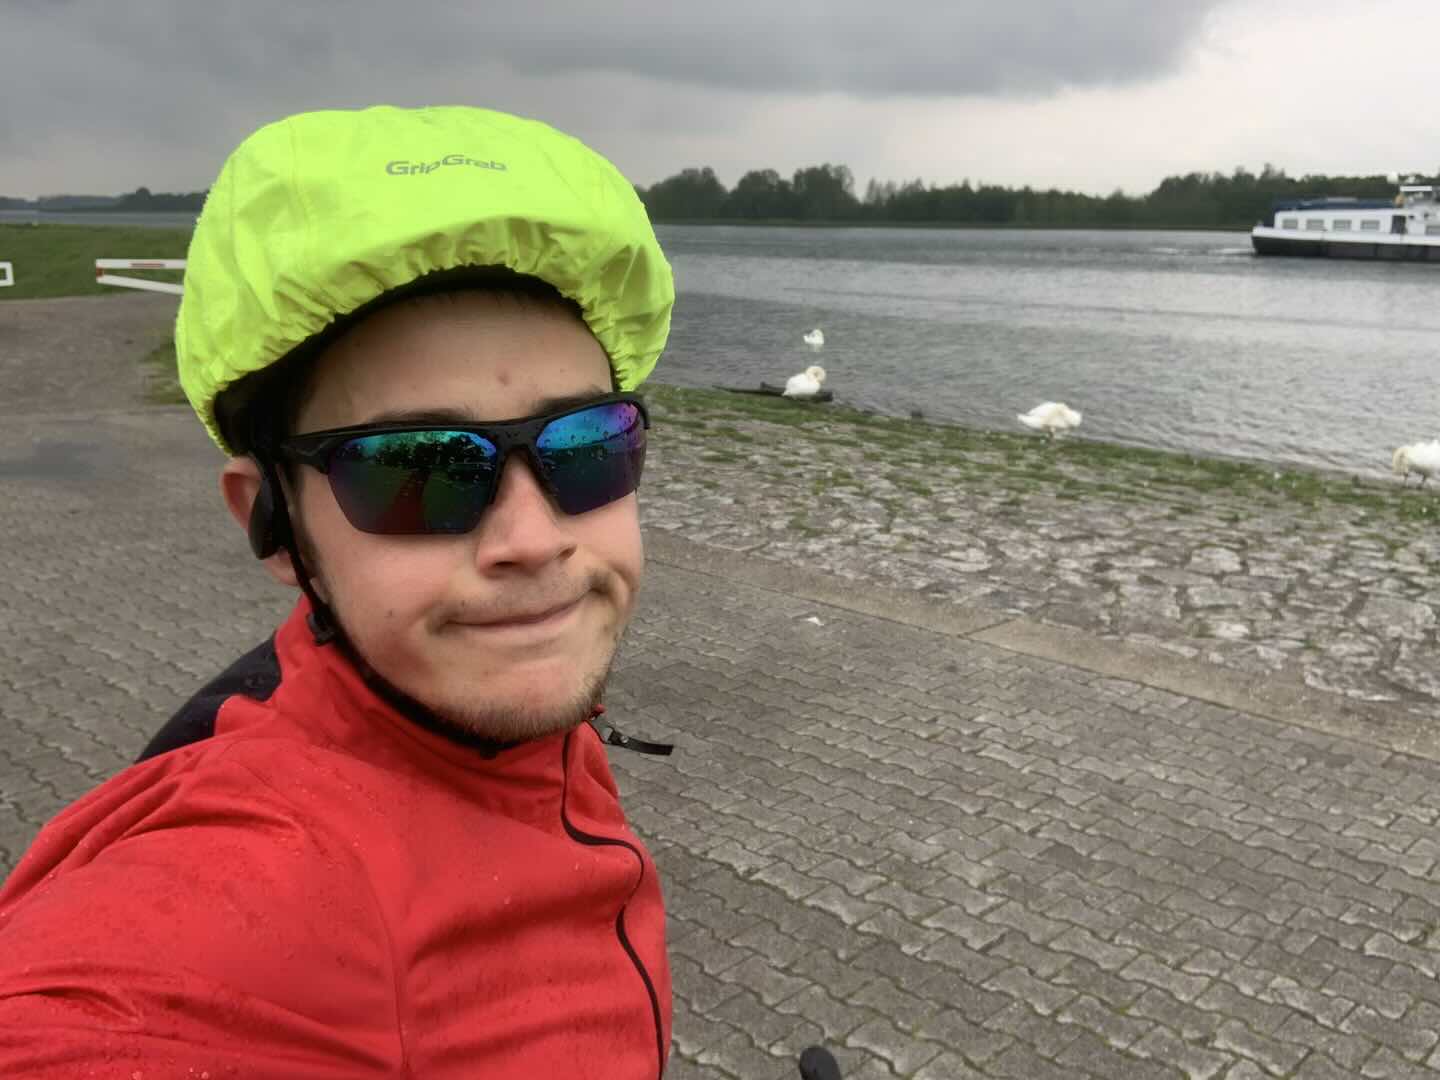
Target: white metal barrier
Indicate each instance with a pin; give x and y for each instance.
(102, 265)
(7, 274)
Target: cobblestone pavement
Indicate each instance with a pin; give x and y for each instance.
(883, 828)
(1342, 596)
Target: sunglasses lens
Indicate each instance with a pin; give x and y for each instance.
(594, 456)
(414, 482)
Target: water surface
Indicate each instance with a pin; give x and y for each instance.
(1177, 340)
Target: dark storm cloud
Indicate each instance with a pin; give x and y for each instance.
(174, 78)
(941, 47)
(950, 47)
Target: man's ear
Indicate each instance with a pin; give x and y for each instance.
(240, 484)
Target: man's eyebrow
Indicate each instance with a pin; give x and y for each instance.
(465, 416)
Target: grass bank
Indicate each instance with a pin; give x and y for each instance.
(59, 260)
(909, 455)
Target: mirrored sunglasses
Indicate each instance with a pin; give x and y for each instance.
(410, 479)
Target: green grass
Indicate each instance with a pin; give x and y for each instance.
(718, 405)
(162, 385)
(799, 525)
(729, 433)
(916, 454)
(59, 260)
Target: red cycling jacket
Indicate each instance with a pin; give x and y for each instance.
(320, 888)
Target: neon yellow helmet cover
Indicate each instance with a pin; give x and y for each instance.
(314, 216)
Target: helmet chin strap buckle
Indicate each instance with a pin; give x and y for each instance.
(613, 736)
(321, 629)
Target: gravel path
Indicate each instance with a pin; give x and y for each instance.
(1341, 590)
(79, 352)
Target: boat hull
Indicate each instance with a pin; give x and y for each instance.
(1378, 249)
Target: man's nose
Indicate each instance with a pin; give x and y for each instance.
(522, 527)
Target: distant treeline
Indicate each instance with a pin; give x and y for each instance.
(141, 198)
(825, 193)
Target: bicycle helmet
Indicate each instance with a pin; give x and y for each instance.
(322, 215)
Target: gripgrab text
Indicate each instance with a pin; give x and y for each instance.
(419, 168)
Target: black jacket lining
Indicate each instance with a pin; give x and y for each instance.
(256, 675)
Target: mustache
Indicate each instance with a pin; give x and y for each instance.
(532, 598)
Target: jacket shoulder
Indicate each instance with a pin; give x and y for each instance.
(195, 907)
(255, 675)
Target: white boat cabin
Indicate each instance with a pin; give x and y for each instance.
(1414, 212)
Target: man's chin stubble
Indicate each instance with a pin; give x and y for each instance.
(518, 723)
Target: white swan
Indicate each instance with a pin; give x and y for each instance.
(1050, 417)
(806, 384)
(815, 338)
(1422, 458)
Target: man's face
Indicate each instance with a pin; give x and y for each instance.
(507, 631)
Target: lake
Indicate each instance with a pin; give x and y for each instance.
(1176, 340)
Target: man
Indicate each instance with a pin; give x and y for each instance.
(387, 842)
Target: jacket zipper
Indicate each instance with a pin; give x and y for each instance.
(602, 841)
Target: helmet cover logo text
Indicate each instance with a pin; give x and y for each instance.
(400, 167)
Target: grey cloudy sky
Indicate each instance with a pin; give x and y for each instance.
(99, 96)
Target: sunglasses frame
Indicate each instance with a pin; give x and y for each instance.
(315, 448)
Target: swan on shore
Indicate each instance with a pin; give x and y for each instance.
(1050, 417)
(1421, 458)
(806, 384)
(815, 338)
